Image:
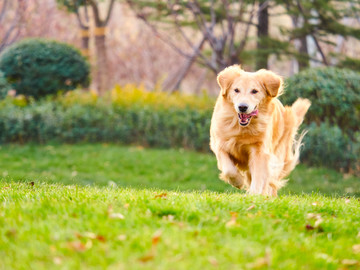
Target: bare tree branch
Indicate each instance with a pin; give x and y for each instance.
(82, 24)
(3, 9)
(243, 42)
(109, 10)
(313, 35)
(185, 69)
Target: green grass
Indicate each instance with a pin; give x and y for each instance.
(60, 209)
(136, 167)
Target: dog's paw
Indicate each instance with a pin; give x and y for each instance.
(234, 180)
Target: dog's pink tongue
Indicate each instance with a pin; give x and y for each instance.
(253, 113)
(244, 116)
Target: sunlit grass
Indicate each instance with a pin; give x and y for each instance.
(114, 207)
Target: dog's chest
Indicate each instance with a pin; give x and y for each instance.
(239, 152)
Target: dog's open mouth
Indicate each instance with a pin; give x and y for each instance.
(244, 119)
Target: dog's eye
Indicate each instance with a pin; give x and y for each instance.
(236, 90)
(254, 91)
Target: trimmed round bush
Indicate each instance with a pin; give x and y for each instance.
(39, 67)
(334, 93)
(4, 85)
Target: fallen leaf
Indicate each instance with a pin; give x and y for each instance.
(161, 195)
(90, 235)
(77, 246)
(213, 261)
(156, 238)
(356, 248)
(315, 203)
(261, 262)
(313, 216)
(126, 205)
(349, 262)
(116, 216)
(57, 260)
(11, 233)
(6, 187)
(251, 207)
(146, 258)
(309, 227)
(32, 184)
(232, 221)
(101, 238)
(122, 237)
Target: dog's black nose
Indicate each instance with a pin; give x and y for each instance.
(243, 107)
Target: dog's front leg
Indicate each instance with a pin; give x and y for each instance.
(229, 172)
(259, 170)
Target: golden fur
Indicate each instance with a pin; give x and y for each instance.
(259, 155)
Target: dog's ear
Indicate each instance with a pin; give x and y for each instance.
(226, 77)
(272, 83)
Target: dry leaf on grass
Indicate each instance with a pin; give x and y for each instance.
(213, 261)
(146, 258)
(161, 195)
(116, 216)
(156, 238)
(260, 262)
(122, 237)
(113, 215)
(57, 260)
(349, 262)
(250, 207)
(77, 246)
(356, 248)
(232, 221)
(315, 203)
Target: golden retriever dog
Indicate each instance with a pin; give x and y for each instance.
(252, 134)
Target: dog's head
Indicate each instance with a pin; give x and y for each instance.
(247, 90)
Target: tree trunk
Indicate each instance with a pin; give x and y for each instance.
(262, 34)
(303, 60)
(101, 60)
(85, 39)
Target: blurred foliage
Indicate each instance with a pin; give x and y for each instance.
(334, 93)
(333, 119)
(39, 67)
(138, 117)
(327, 145)
(4, 85)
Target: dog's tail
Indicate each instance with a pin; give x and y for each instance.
(299, 109)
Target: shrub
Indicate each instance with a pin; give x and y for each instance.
(334, 93)
(48, 121)
(4, 85)
(326, 145)
(38, 67)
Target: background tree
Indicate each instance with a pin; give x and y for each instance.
(262, 35)
(318, 22)
(99, 33)
(215, 32)
(10, 27)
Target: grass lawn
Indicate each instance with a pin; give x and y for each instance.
(107, 206)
